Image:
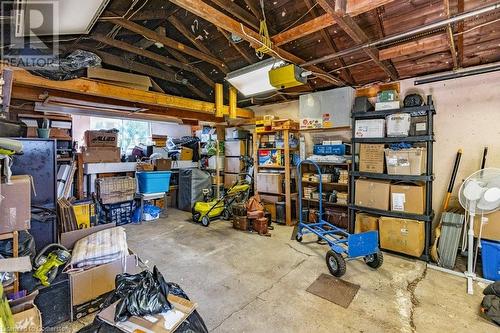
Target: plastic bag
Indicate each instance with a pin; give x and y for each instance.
(151, 212)
(71, 66)
(141, 294)
(26, 246)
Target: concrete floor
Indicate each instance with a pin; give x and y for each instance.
(243, 282)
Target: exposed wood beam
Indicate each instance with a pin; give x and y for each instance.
(223, 21)
(168, 42)
(142, 52)
(353, 8)
(143, 15)
(460, 37)
(240, 50)
(330, 42)
(357, 34)
(449, 34)
(304, 29)
(189, 35)
(428, 43)
(238, 12)
(94, 88)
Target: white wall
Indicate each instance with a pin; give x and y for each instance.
(468, 117)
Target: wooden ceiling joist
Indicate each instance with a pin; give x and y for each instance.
(449, 34)
(168, 42)
(437, 42)
(237, 47)
(225, 22)
(357, 34)
(87, 87)
(460, 37)
(238, 12)
(143, 15)
(353, 8)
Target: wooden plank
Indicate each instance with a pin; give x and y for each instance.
(189, 35)
(304, 29)
(156, 14)
(256, 11)
(7, 76)
(223, 21)
(373, 90)
(428, 43)
(79, 177)
(288, 180)
(357, 7)
(460, 37)
(93, 88)
(167, 42)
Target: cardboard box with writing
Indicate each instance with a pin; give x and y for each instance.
(408, 198)
(27, 317)
(186, 154)
(233, 165)
(235, 148)
(90, 287)
(101, 154)
(402, 235)
(365, 222)
(15, 204)
(163, 164)
(371, 158)
(491, 226)
(410, 161)
(101, 138)
(270, 183)
(372, 193)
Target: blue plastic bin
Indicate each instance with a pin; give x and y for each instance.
(153, 181)
(490, 252)
(340, 150)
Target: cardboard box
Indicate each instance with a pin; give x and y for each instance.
(372, 193)
(101, 139)
(408, 198)
(230, 179)
(186, 154)
(418, 125)
(89, 288)
(101, 154)
(371, 158)
(233, 165)
(216, 162)
(365, 222)
(27, 317)
(406, 161)
(271, 208)
(402, 235)
(85, 214)
(370, 128)
(270, 199)
(398, 124)
(182, 308)
(163, 164)
(15, 205)
(271, 157)
(235, 148)
(270, 183)
(491, 226)
(236, 133)
(381, 106)
(115, 189)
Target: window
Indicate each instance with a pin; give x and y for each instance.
(132, 133)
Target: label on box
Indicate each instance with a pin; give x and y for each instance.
(404, 231)
(398, 202)
(421, 127)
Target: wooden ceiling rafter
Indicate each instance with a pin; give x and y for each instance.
(168, 42)
(237, 47)
(330, 43)
(347, 23)
(449, 35)
(144, 15)
(225, 22)
(460, 37)
(238, 12)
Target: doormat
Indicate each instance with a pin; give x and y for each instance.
(334, 290)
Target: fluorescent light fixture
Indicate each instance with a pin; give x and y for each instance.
(57, 17)
(254, 79)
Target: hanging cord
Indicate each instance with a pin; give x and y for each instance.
(266, 42)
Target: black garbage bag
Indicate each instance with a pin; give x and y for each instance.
(193, 324)
(70, 66)
(490, 305)
(141, 294)
(26, 246)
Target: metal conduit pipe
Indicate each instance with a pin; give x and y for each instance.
(406, 34)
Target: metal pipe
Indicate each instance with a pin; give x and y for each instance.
(456, 75)
(406, 34)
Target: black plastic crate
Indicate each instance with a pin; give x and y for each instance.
(119, 213)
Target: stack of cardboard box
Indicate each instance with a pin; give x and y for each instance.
(101, 147)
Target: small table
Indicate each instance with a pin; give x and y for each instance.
(152, 196)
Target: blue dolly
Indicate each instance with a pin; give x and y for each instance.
(343, 245)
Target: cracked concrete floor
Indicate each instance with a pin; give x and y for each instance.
(247, 283)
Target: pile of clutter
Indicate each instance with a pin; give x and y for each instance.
(251, 216)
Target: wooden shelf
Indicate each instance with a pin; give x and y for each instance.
(332, 129)
(271, 166)
(326, 202)
(326, 183)
(290, 149)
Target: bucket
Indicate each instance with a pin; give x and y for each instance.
(43, 133)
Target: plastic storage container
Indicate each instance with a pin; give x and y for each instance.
(119, 213)
(340, 150)
(490, 252)
(153, 181)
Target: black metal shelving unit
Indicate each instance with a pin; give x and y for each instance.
(427, 110)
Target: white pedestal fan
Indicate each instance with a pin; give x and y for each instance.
(478, 195)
